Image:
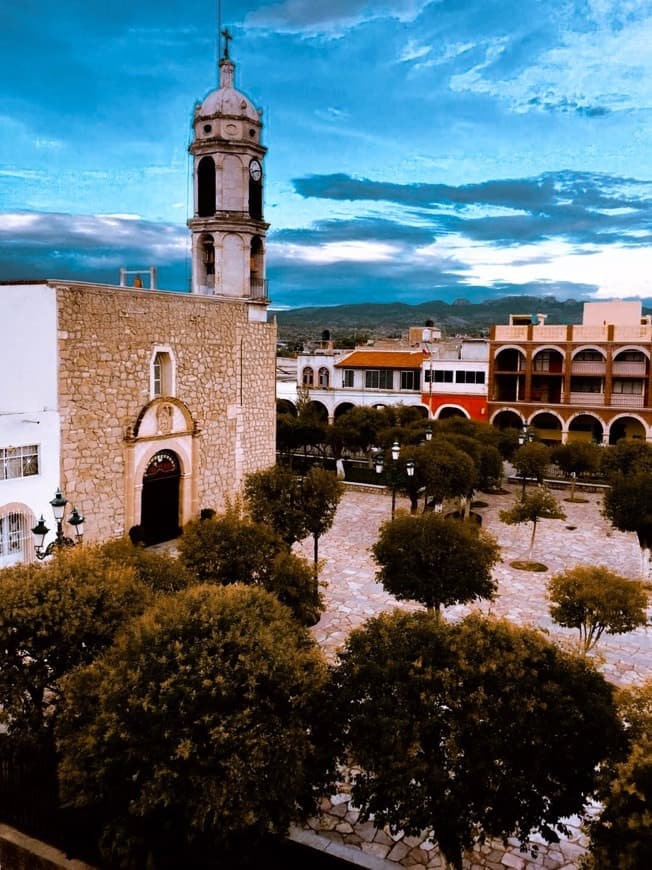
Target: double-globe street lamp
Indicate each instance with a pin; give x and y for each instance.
(393, 475)
(40, 530)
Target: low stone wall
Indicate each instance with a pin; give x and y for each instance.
(20, 852)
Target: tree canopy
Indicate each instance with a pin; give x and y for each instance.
(621, 836)
(435, 561)
(628, 505)
(471, 729)
(54, 618)
(194, 732)
(595, 600)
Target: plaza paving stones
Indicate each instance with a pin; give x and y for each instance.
(352, 596)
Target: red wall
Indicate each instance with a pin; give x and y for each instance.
(475, 406)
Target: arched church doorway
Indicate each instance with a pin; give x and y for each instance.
(159, 515)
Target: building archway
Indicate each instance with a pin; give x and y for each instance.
(507, 419)
(159, 513)
(448, 411)
(628, 428)
(585, 427)
(342, 408)
(547, 427)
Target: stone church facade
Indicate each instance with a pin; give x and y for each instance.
(147, 406)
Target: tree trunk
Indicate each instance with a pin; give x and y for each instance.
(645, 562)
(315, 539)
(534, 531)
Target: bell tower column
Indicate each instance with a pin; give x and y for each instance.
(228, 228)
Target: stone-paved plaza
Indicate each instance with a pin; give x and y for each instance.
(352, 596)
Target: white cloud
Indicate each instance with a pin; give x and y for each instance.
(606, 66)
(335, 252)
(617, 271)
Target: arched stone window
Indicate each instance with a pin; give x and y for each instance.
(206, 187)
(308, 377)
(162, 375)
(324, 377)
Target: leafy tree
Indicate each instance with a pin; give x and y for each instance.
(435, 561)
(628, 505)
(447, 471)
(321, 492)
(626, 457)
(621, 836)
(577, 457)
(595, 600)
(531, 460)
(469, 730)
(273, 497)
(533, 506)
(54, 618)
(357, 429)
(294, 507)
(228, 549)
(294, 582)
(490, 468)
(196, 731)
(159, 571)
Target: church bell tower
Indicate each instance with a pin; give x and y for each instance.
(228, 229)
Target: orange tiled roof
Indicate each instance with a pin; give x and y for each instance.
(385, 359)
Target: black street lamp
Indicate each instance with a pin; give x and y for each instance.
(428, 432)
(40, 530)
(394, 476)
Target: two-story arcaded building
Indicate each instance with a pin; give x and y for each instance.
(587, 382)
(147, 406)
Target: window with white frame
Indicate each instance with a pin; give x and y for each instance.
(411, 379)
(308, 377)
(347, 377)
(19, 461)
(162, 374)
(323, 376)
(379, 379)
(439, 376)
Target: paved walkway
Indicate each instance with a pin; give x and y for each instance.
(352, 596)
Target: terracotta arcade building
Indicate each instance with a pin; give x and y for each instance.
(589, 382)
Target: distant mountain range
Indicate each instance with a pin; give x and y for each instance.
(355, 322)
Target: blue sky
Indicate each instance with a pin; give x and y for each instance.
(418, 149)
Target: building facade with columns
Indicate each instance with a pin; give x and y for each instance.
(586, 382)
(146, 406)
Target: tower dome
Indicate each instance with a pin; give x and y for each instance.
(226, 100)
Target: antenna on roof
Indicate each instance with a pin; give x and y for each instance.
(219, 30)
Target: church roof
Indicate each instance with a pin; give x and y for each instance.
(226, 100)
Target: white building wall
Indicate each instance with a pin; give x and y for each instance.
(28, 395)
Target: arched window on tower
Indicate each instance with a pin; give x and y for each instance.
(323, 377)
(308, 377)
(207, 256)
(256, 269)
(255, 190)
(206, 187)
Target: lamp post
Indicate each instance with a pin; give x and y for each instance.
(40, 530)
(525, 436)
(428, 432)
(394, 476)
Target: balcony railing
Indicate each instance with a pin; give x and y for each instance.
(587, 399)
(630, 369)
(258, 288)
(627, 400)
(588, 367)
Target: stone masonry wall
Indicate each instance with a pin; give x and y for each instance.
(225, 375)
